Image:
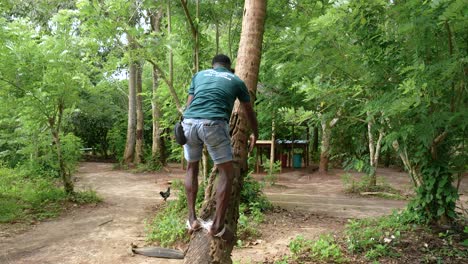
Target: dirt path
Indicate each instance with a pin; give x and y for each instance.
(103, 234)
(94, 235)
(312, 205)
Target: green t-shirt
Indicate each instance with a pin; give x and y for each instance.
(214, 93)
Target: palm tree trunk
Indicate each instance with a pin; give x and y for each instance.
(203, 249)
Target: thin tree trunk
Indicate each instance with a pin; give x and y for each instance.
(372, 173)
(158, 153)
(229, 34)
(202, 248)
(413, 171)
(325, 150)
(131, 125)
(139, 145)
(158, 149)
(325, 145)
(55, 131)
(196, 64)
(217, 37)
(315, 140)
(272, 150)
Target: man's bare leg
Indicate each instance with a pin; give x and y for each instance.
(223, 193)
(191, 189)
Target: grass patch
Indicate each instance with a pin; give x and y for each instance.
(168, 226)
(24, 198)
(324, 249)
(362, 185)
(385, 240)
(374, 237)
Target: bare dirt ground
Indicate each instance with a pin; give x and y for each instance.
(307, 204)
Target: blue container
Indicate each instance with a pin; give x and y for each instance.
(297, 161)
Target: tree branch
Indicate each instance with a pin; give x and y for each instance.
(169, 83)
(28, 93)
(189, 18)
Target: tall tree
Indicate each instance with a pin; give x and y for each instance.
(129, 153)
(204, 249)
(158, 152)
(140, 117)
(45, 74)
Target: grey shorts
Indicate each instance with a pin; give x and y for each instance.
(213, 133)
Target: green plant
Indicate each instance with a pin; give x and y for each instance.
(323, 249)
(169, 225)
(250, 218)
(24, 198)
(252, 193)
(326, 249)
(373, 236)
(435, 199)
(353, 185)
(272, 174)
(85, 197)
(284, 260)
(299, 245)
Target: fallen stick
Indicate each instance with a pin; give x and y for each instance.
(108, 221)
(377, 193)
(158, 252)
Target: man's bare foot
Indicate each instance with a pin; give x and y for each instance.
(193, 226)
(223, 233)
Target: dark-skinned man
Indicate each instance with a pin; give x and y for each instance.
(212, 94)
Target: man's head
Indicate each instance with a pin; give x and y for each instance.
(221, 60)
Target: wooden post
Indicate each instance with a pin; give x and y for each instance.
(272, 148)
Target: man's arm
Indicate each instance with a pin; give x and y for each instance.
(253, 123)
(189, 100)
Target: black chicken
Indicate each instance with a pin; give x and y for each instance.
(165, 194)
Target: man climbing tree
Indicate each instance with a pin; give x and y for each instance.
(211, 98)
(209, 249)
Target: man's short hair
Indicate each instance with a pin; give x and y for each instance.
(221, 59)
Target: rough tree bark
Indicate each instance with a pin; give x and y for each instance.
(140, 119)
(158, 150)
(203, 248)
(374, 149)
(131, 125)
(55, 125)
(325, 144)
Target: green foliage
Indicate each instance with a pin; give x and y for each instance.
(400, 65)
(272, 175)
(284, 260)
(71, 151)
(435, 199)
(117, 138)
(299, 245)
(85, 197)
(169, 225)
(353, 185)
(374, 236)
(324, 249)
(252, 194)
(250, 218)
(25, 198)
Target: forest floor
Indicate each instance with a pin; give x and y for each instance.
(305, 204)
